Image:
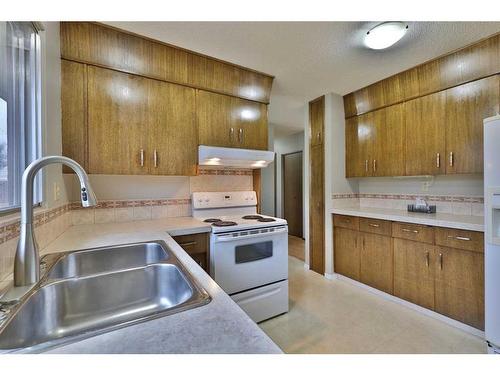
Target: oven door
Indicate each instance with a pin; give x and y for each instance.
(245, 260)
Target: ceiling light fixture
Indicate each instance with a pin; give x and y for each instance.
(385, 35)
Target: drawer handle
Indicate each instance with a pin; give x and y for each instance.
(459, 238)
(188, 243)
(374, 225)
(427, 258)
(409, 230)
(440, 261)
(438, 160)
(451, 159)
(141, 155)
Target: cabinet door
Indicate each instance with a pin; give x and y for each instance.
(173, 144)
(414, 272)
(346, 252)
(425, 135)
(317, 211)
(359, 137)
(317, 121)
(117, 122)
(466, 107)
(251, 124)
(388, 141)
(74, 111)
(216, 119)
(460, 285)
(376, 262)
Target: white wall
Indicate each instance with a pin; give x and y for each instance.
(51, 113)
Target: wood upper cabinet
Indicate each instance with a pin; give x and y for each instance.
(388, 141)
(226, 121)
(466, 107)
(376, 257)
(414, 272)
(317, 121)
(317, 210)
(74, 112)
(359, 145)
(459, 285)
(172, 147)
(346, 254)
(375, 143)
(425, 136)
(117, 122)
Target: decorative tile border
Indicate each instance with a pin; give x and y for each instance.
(133, 203)
(210, 171)
(431, 198)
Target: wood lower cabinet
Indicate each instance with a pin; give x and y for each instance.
(317, 121)
(459, 285)
(346, 255)
(376, 261)
(317, 211)
(197, 246)
(441, 269)
(414, 272)
(227, 121)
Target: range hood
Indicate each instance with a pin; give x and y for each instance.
(234, 157)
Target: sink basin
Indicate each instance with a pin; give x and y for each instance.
(73, 301)
(105, 259)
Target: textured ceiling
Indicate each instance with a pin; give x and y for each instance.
(309, 59)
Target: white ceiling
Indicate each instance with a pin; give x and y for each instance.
(309, 59)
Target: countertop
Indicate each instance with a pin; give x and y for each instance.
(218, 327)
(468, 222)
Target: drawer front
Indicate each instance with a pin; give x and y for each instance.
(414, 232)
(193, 243)
(460, 239)
(382, 227)
(344, 221)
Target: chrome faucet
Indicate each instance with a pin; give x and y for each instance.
(27, 261)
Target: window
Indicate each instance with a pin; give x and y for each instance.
(20, 108)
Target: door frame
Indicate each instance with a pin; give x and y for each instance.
(283, 186)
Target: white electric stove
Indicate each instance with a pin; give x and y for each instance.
(248, 252)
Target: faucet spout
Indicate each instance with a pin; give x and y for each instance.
(27, 261)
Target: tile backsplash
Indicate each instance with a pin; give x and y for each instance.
(450, 204)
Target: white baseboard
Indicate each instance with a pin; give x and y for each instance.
(420, 309)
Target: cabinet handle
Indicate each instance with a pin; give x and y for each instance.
(155, 158)
(459, 238)
(318, 136)
(240, 135)
(451, 158)
(366, 165)
(231, 134)
(142, 157)
(374, 165)
(440, 261)
(427, 258)
(409, 230)
(438, 160)
(374, 225)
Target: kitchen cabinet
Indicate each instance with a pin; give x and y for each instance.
(346, 255)
(375, 143)
(197, 246)
(173, 142)
(226, 121)
(425, 135)
(73, 112)
(441, 269)
(317, 121)
(459, 285)
(117, 122)
(140, 126)
(466, 107)
(414, 272)
(376, 257)
(317, 210)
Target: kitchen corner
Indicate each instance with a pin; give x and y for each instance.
(218, 327)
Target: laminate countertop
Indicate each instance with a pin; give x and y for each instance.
(218, 327)
(467, 222)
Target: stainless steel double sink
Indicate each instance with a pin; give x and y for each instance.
(87, 292)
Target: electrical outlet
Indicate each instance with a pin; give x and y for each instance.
(56, 191)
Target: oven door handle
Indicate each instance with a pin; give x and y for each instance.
(229, 238)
